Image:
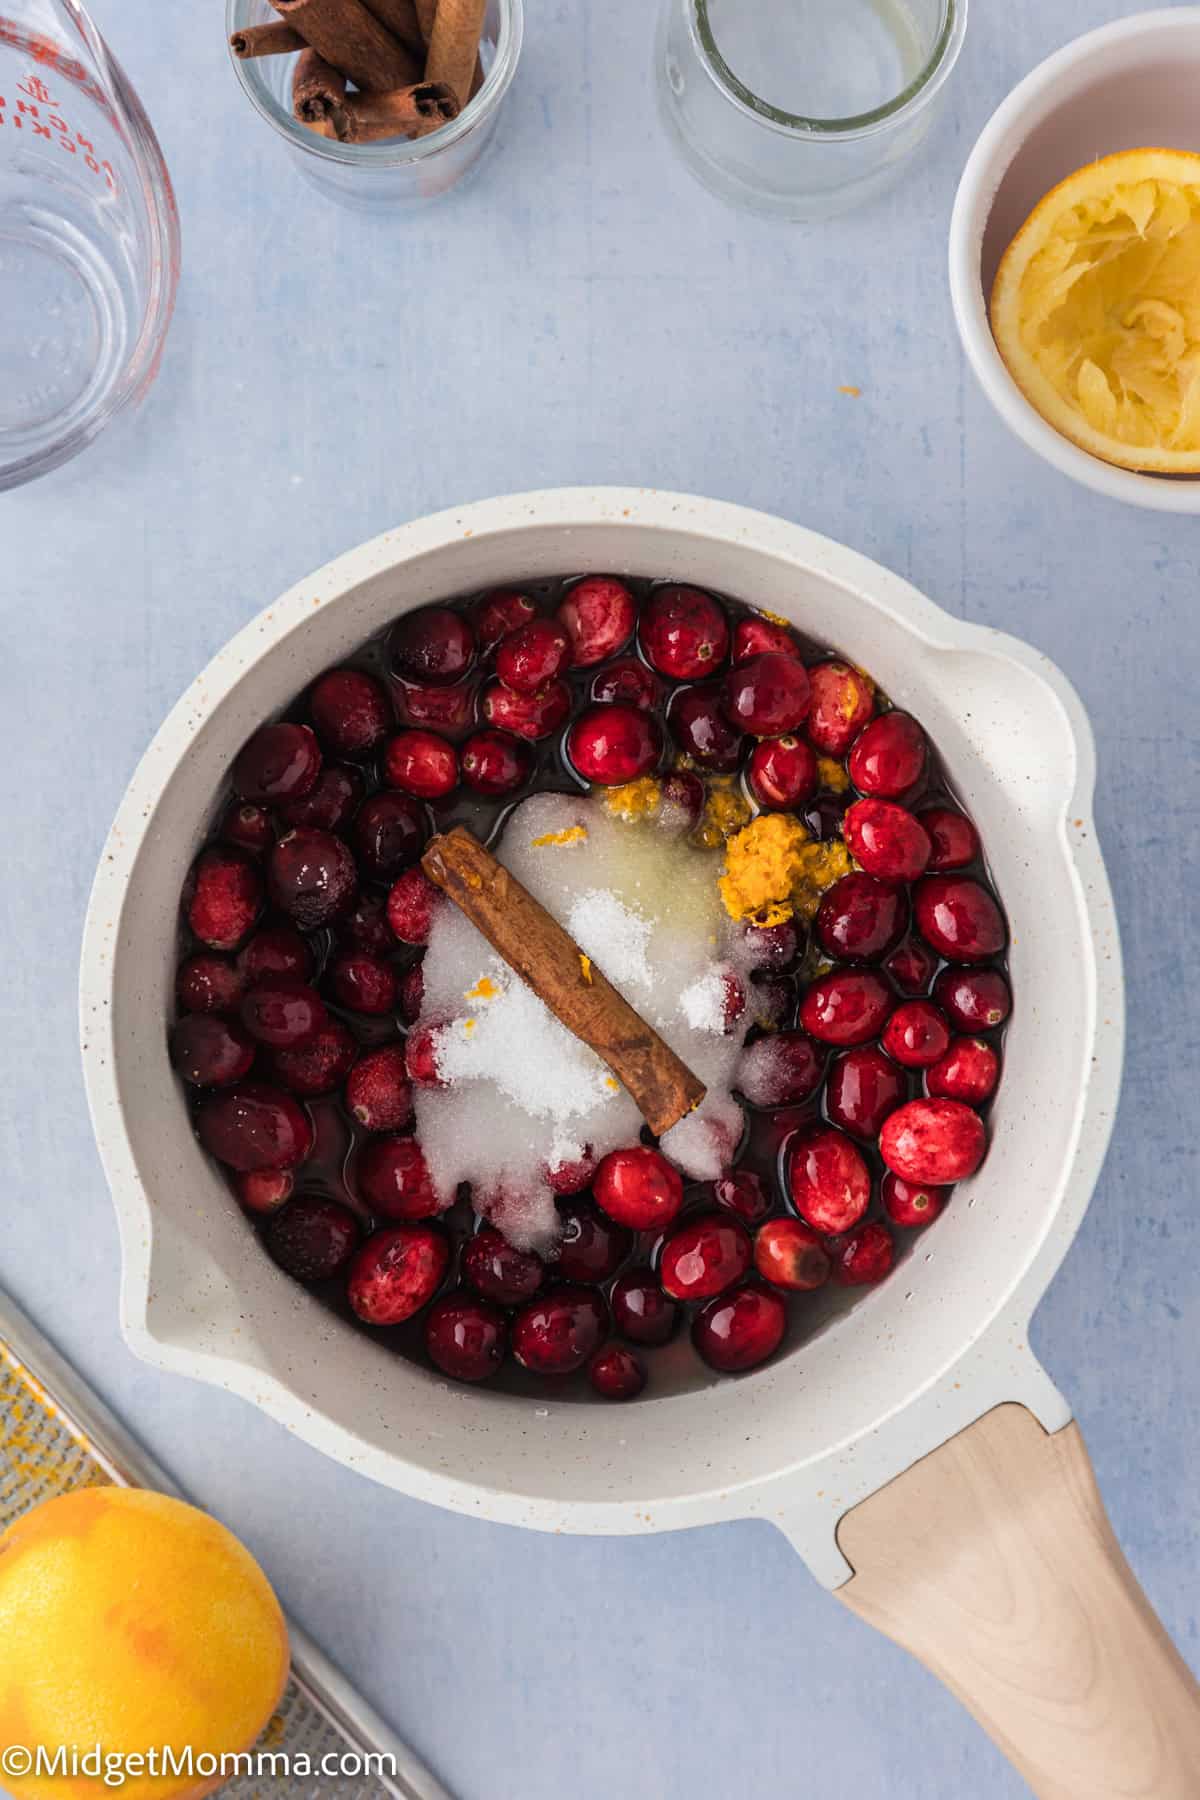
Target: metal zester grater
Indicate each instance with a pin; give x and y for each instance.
(55, 1435)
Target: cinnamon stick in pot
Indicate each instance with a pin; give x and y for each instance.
(351, 39)
(318, 92)
(276, 39)
(549, 961)
(454, 44)
(409, 112)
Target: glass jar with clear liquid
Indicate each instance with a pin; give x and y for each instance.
(89, 241)
(801, 108)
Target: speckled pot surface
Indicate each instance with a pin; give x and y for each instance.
(803, 1439)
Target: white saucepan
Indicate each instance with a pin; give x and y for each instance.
(915, 1453)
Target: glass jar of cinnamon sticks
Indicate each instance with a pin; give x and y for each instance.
(385, 124)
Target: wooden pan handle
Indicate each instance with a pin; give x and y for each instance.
(994, 1562)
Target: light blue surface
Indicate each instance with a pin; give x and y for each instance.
(584, 313)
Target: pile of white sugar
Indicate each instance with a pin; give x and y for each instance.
(521, 1092)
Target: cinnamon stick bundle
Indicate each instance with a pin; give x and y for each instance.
(276, 39)
(400, 18)
(549, 961)
(454, 44)
(409, 112)
(351, 39)
(318, 93)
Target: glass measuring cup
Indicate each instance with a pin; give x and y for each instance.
(803, 109)
(89, 240)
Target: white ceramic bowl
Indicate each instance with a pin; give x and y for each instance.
(802, 1439)
(1128, 85)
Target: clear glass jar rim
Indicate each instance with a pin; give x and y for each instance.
(401, 151)
(924, 84)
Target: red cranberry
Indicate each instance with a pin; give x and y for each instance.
(447, 710)
(396, 1273)
(756, 636)
(493, 763)
(969, 1071)
(264, 1190)
(911, 966)
(861, 918)
(791, 1255)
(767, 696)
(740, 1329)
(842, 702)
(916, 1034)
(528, 716)
(283, 1013)
(533, 656)
(829, 1181)
(350, 711)
(683, 797)
(824, 816)
(888, 757)
(255, 1127)
(365, 927)
(742, 1192)
(433, 646)
(330, 804)
(466, 1338)
(312, 876)
(592, 1247)
(389, 832)
(684, 633)
(498, 1271)
(378, 1094)
(780, 1070)
(954, 840)
(598, 614)
(772, 1003)
(958, 918)
(699, 727)
(703, 1257)
(782, 773)
(864, 1086)
(911, 1203)
(410, 906)
(572, 1175)
(846, 1007)
(312, 1239)
(641, 1310)
(363, 984)
(411, 997)
(771, 946)
(280, 762)
(209, 1051)
(207, 984)
(500, 612)
(628, 682)
(616, 1373)
(421, 1056)
(317, 1067)
(933, 1140)
(886, 839)
(277, 950)
(557, 1332)
(864, 1257)
(638, 1187)
(976, 999)
(421, 763)
(614, 744)
(226, 894)
(247, 828)
(394, 1179)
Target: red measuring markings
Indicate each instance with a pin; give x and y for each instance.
(31, 116)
